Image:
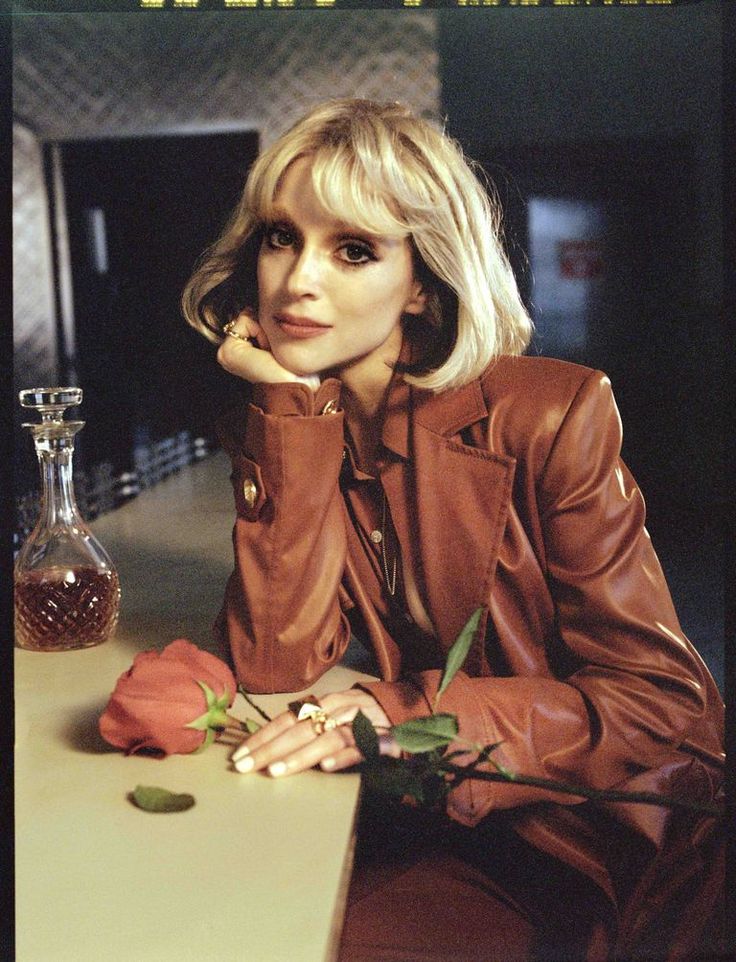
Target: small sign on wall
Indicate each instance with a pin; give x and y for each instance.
(567, 255)
(580, 260)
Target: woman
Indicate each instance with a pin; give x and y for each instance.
(401, 464)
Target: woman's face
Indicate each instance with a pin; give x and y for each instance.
(330, 295)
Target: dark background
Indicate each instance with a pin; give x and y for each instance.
(158, 218)
(652, 330)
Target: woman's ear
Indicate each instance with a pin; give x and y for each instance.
(417, 302)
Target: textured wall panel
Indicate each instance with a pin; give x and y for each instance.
(34, 340)
(82, 75)
(78, 76)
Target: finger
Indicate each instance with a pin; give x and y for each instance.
(251, 328)
(256, 758)
(248, 355)
(261, 752)
(232, 354)
(284, 737)
(345, 758)
(276, 727)
(323, 746)
(349, 756)
(387, 744)
(347, 704)
(238, 328)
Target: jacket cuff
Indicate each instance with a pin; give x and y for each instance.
(292, 398)
(400, 700)
(411, 698)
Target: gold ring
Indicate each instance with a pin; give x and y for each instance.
(322, 722)
(228, 329)
(312, 711)
(310, 703)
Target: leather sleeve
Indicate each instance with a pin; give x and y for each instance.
(636, 686)
(281, 614)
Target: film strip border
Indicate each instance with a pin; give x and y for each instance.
(112, 6)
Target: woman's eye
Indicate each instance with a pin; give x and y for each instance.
(354, 253)
(278, 237)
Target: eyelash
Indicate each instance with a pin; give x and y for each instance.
(360, 247)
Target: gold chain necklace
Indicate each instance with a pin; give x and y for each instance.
(390, 579)
(380, 536)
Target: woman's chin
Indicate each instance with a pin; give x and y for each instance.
(303, 370)
(298, 364)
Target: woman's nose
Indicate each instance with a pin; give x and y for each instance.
(305, 274)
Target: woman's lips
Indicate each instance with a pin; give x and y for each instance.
(300, 327)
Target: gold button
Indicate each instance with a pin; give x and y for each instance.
(250, 492)
(376, 536)
(330, 407)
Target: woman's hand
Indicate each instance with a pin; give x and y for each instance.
(286, 746)
(252, 359)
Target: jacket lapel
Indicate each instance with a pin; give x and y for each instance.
(449, 503)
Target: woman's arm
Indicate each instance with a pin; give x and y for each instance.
(638, 689)
(281, 614)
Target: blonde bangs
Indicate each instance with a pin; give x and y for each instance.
(265, 178)
(368, 179)
(350, 194)
(342, 185)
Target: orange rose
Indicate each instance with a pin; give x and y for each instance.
(174, 701)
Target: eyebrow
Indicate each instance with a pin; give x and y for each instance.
(344, 232)
(277, 214)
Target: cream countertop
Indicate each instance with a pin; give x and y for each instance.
(256, 871)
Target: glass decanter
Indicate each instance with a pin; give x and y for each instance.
(67, 592)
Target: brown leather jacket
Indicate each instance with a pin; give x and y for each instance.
(512, 495)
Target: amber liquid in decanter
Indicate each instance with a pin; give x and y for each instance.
(63, 608)
(67, 591)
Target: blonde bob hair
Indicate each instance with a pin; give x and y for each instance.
(380, 168)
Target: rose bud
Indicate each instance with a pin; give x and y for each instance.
(174, 701)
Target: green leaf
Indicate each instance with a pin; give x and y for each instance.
(209, 737)
(459, 652)
(393, 777)
(365, 737)
(485, 754)
(426, 734)
(153, 799)
(215, 719)
(208, 693)
(250, 726)
(213, 702)
(200, 724)
(451, 756)
(216, 715)
(502, 770)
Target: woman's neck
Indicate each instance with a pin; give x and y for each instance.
(365, 427)
(365, 388)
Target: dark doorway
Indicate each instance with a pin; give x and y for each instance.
(613, 284)
(140, 211)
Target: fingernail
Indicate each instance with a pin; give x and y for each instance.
(244, 765)
(240, 752)
(327, 764)
(277, 768)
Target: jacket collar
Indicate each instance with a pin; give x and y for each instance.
(444, 414)
(447, 507)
